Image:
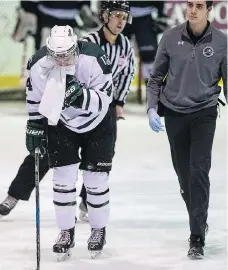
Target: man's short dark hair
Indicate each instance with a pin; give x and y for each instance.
(209, 4)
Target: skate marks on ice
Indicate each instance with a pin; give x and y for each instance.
(138, 248)
(148, 227)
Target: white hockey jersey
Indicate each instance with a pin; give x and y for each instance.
(92, 68)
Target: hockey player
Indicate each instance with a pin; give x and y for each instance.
(71, 86)
(193, 56)
(36, 18)
(147, 40)
(114, 15)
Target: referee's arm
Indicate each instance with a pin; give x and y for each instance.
(125, 79)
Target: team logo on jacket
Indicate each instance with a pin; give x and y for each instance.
(208, 51)
(122, 61)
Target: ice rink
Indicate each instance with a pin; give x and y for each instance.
(148, 228)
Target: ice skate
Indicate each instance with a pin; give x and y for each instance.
(96, 242)
(64, 244)
(83, 215)
(7, 205)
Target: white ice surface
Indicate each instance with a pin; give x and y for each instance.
(148, 228)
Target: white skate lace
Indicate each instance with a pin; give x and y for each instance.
(63, 237)
(96, 236)
(10, 202)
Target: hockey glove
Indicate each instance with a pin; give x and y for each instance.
(36, 137)
(154, 121)
(26, 24)
(74, 91)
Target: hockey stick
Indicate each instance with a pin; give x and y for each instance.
(23, 75)
(37, 179)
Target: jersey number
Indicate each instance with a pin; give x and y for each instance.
(109, 91)
(29, 85)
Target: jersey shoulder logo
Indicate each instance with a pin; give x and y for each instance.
(208, 51)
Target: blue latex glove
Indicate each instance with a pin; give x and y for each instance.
(154, 121)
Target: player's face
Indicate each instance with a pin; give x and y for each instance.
(117, 21)
(197, 11)
(64, 61)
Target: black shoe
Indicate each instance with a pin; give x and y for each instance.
(7, 205)
(196, 250)
(64, 242)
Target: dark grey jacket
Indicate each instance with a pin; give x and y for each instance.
(194, 71)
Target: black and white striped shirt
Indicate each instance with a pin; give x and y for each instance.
(122, 60)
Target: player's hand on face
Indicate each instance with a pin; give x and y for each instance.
(74, 90)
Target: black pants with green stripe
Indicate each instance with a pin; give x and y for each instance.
(191, 139)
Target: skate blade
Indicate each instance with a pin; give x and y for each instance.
(2, 216)
(83, 216)
(195, 256)
(63, 256)
(95, 254)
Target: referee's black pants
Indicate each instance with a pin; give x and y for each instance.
(191, 138)
(24, 182)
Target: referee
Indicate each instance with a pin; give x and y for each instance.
(114, 15)
(193, 55)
